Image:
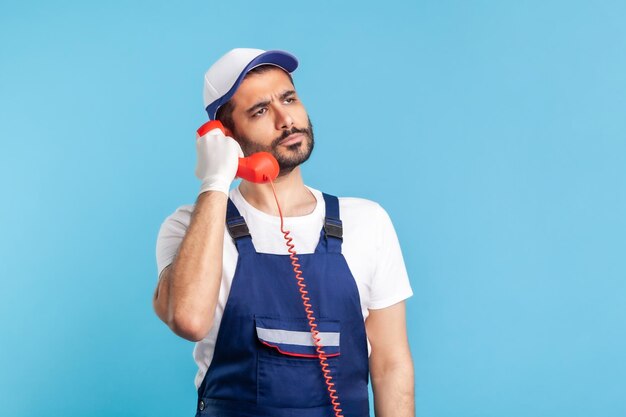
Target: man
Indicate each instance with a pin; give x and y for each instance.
(232, 288)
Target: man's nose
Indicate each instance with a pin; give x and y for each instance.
(283, 119)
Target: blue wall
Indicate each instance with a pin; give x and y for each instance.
(493, 133)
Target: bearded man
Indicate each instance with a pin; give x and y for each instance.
(226, 280)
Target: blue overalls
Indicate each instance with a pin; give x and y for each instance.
(265, 363)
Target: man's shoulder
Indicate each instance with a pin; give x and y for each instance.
(184, 209)
(359, 204)
(356, 206)
(182, 214)
(361, 213)
(360, 209)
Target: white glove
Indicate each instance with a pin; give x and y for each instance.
(218, 158)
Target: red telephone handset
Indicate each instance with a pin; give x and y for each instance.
(259, 167)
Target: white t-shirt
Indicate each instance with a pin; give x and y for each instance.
(370, 247)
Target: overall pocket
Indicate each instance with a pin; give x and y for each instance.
(289, 373)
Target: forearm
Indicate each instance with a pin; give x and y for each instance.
(394, 391)
(189, 291)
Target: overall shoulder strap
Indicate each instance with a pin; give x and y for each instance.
(331, 235)
(238, 229)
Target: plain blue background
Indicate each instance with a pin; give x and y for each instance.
(493, 133)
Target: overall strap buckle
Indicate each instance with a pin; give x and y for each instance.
(333, 227)
(235, 222)
(332, 222)
(237, 227)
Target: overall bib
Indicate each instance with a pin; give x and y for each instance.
(265, 363)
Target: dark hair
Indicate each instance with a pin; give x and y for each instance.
(225, 113)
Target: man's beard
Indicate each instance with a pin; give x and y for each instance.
(295, 155)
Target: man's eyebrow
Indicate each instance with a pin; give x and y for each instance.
(264, 103)
(258, 106)
(287, 94)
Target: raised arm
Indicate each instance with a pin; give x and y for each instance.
(188, 289)
(187, 292)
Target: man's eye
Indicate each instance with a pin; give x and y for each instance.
(260, 112)
(290, 100)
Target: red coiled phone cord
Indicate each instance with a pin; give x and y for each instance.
(334, 399)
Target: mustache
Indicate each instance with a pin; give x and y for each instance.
(286, 133)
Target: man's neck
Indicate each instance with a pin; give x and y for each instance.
(295, 199)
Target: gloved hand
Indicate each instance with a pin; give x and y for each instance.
(218, 157)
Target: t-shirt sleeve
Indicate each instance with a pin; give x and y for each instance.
(170, 236)
(390, 282)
